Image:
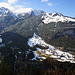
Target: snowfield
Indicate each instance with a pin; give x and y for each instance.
(51, 52)
(37, 40)
(55, 17)
(0, 40)
(1, 44)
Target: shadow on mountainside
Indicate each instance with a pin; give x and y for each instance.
(16, 39)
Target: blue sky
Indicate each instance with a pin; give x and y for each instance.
(66, 7)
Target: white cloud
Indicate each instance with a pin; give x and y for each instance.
(6, 5)
(12, 1)
(22, 10)
(19, 6)
(44, 0)
(15, 8)
(50, 4)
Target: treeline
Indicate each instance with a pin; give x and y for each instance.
(47, 67)
(27, 67)
(66, 41)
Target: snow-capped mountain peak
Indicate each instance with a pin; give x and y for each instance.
(55, 17)
(31, 11)
(56, 14)
(3, 9)
(37, 12)
(5, 12)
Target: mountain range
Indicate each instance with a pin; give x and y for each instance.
(36, 36)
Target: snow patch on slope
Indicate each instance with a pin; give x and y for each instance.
(1, 45)
(36, 40)
(51, 52)
(0, 40)
(36, 57)
(55, 17)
